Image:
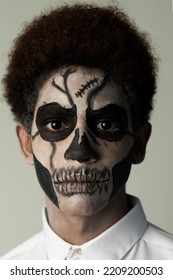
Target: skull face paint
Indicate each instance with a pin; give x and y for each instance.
(82, 140)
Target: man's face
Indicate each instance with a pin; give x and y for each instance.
(81, 140)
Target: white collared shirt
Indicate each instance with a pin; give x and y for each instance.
(131, 238)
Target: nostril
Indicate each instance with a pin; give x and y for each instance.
(81, 152)
(81, 160)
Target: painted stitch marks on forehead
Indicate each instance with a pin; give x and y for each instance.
(88, 85)
(93, 82)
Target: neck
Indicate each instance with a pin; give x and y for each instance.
(80, 229)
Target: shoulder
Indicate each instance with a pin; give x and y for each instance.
(33, 248)
(158, 237)
(157, 242)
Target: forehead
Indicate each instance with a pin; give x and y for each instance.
(81, 86)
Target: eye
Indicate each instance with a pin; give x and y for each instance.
(108, 126)
(58, 126)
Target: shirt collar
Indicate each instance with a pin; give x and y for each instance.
(114, 243)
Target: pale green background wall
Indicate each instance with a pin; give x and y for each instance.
(21, 199)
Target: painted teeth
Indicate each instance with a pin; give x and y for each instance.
(70, 189)
(106, 187)
(80, 175)
(104, 175)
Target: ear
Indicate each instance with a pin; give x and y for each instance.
(25, 143)
(140, 143)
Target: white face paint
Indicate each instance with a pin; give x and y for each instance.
(82, 138)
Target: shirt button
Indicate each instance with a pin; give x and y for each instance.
(73, 254)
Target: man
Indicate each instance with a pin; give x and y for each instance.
(80, 83)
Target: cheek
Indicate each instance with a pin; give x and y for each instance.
(114, 152)
(44, 151)
(51, 154)
(45, 181)
(118, 159)
(41, 149)
(120, 173)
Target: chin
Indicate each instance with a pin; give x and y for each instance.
(81, 205)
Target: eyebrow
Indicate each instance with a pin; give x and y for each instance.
(108, 111)
(52, 110)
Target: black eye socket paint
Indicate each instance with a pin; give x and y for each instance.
(109, 123)
(54, 122)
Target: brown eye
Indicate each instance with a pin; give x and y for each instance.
(106, 125)
(57, 126)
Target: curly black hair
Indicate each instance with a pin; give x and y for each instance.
(84, 35)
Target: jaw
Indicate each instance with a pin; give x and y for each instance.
(78, 229)
(83, 200)
(87, 203)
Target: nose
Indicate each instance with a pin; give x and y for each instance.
(82, 151)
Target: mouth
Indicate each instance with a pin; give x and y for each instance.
(85, 181)
(86, 188)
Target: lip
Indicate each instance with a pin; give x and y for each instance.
(70, 188)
